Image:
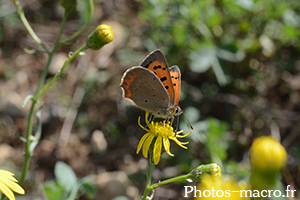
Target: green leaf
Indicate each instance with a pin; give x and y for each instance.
(201, 60)
(83, 8)
(217, 139)
(65, 175)
(89, 187)
(29, 97)
(54, 191)
(179, 34)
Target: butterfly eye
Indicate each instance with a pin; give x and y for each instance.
(178, 111)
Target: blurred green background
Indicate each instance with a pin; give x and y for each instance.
(240, 69)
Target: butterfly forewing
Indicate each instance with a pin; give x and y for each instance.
(157, 63)
(144, 88)
(176, 81)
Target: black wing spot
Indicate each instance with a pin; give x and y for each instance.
(159, 66)
(162, 79)
(155, 67)
(167, 87)
(174, 84)
(164, 68)
(146, 101)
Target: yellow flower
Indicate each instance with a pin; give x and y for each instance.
(101, 36)
(163, 132)
(266, 154)
(213, 187)
(9, 183)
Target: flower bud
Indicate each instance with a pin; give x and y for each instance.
(101, 36)
(213, 169)
(69, 5)
(266, 154)
(268, 158)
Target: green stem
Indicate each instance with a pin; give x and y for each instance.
(27, 25)
(27, 150)
(178, 178)
(56, 45)
(149, 175)
(41, 82)
(90, 15)
(154, 186)
(60, 72)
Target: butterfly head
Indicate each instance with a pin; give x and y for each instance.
(172, 111)
(176, 111)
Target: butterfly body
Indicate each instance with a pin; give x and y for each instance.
(153, 86)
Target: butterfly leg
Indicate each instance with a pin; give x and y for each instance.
(151, 118)
(167, 118)
(177, 124)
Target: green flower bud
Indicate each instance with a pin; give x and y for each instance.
(212, 169)
(69, 5)
(101, 36)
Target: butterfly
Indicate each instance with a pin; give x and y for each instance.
(153, 86)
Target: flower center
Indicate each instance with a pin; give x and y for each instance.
(161, 129)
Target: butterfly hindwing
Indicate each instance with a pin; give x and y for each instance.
(176, 81)
(144, 88)
(157, 63)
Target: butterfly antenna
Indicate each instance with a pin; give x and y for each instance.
(188, 121)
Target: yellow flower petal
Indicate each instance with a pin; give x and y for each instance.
(6, 174)
(167, 146)
(179, 143)
(6, 191)
(183, 136)
(8, 184)
(139, 123)
(142, 142)
(157, 149)
(147, 145)
(14, 186)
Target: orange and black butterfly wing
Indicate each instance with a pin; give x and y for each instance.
(176, 81)
(157, 63)
(142, 86)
